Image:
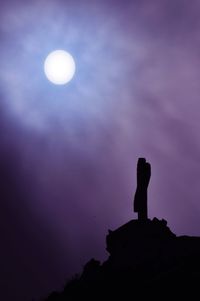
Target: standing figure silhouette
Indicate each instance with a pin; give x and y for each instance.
(143, 178)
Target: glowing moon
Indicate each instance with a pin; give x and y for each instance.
(59, 67)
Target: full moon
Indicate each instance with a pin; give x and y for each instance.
(59, 67)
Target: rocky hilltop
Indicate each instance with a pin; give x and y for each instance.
(145, 259)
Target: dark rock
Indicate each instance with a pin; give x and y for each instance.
(146, 259)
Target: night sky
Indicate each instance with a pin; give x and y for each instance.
(68, 154)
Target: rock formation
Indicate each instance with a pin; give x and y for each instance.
(146, 260)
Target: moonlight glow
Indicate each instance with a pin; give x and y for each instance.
(59, 67)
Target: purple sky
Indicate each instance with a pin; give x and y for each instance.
(68, 153)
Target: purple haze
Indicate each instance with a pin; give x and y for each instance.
(68, 154)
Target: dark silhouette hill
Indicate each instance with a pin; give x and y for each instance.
(146, 260)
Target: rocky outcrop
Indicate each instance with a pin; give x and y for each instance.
(145, 260)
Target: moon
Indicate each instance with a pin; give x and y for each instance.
(59, 67)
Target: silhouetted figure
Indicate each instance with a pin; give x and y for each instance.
(143, 178)
(145, 259)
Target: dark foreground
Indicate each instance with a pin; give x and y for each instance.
(146, 261)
